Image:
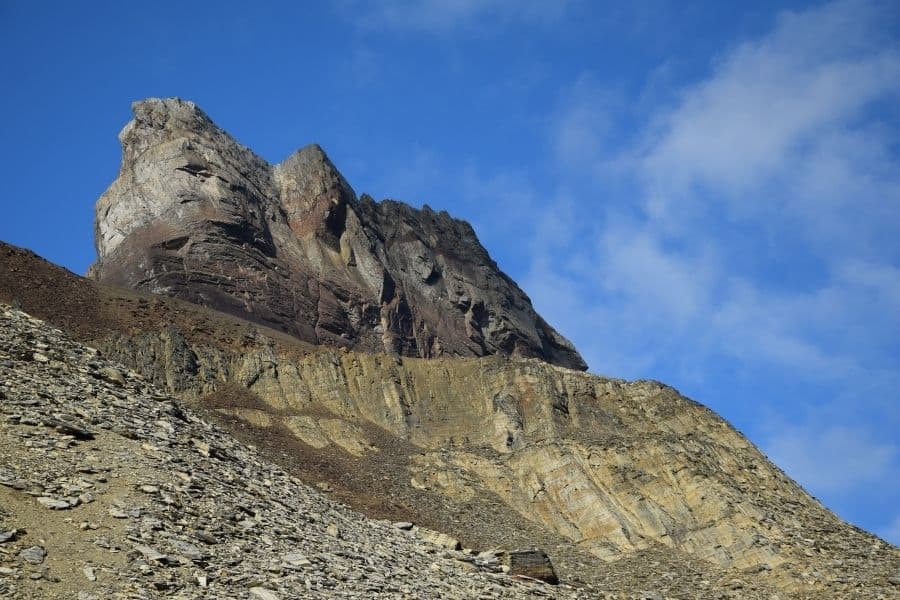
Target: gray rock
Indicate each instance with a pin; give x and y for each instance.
(8, 536)
(262, 593)
(440, 539)
(111, 375)
(54, 503)
(196, 215)
(33, 555)
(189, 551)
(68, 427)
(295, 559)
(149, 553)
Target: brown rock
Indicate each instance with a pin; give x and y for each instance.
(531, 563)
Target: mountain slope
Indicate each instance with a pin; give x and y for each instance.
(195, 215)
(628, 486)
(111, 489)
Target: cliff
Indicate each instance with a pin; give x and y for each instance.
(195, 215)
(628, 486)
(110, 488)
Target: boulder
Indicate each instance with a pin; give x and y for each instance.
(531, 563)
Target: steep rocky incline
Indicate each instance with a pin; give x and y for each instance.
(110, 489)
(628, 486)
(195, 215)
(617, 469)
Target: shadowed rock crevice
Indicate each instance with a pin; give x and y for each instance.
(195, 215)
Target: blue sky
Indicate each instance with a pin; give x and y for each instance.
(703, 193)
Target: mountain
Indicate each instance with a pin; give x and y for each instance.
(109, 488)
(195, 215)
(627, 486)
(631, 490)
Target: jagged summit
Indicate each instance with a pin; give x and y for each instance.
(161, 113)
(196, 215)
(627, 489)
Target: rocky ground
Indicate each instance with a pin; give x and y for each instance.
(662, 452)
(110, 489)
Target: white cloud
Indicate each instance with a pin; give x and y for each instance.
(760, 230)
(834, 459)
(584, 123)
(765, 204)
(446, 15)
(782, 127)
(660, 282)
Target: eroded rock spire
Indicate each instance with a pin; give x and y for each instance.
(196, 215)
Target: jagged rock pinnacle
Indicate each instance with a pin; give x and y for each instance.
(196, 215)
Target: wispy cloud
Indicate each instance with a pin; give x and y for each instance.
(446, 15)
(853, 459)
(791, 113)
(765, 203)
(584, 124)
(755, 219)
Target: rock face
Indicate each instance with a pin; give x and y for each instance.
(630, 488)
(162, 504)
(617, 468)
(195, 215)
(534, 564)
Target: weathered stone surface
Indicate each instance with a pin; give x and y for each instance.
(33, 555)
(144, 462)
(531, 563)
(617, 468)
(6, 536)
(261, 593)
(194, 214)
(439, 539)
(54, 503)
(68, 427)
(627, 485)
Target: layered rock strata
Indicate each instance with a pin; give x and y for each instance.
(110, 489)
(195, 215)
(627, 486)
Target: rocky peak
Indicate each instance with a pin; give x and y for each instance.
(169, 113)
(196, 215)
(313, 194)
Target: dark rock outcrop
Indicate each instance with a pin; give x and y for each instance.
(534, 564)
(195, 215)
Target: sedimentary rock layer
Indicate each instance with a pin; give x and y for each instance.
(627, 486)
(110, 489)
